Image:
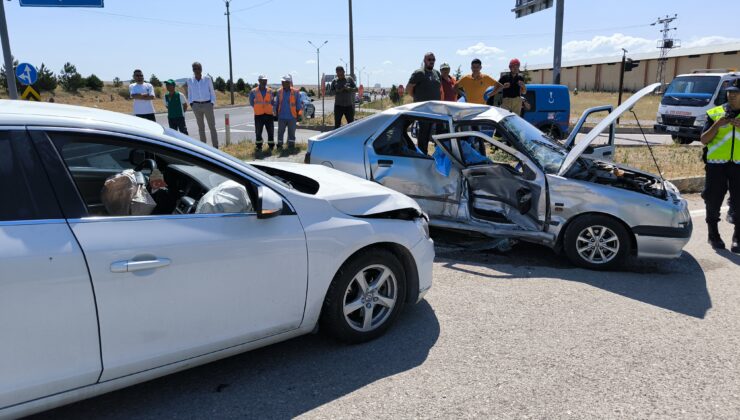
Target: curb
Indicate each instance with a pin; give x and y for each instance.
(692, 184)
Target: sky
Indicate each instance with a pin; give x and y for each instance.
(270, 37)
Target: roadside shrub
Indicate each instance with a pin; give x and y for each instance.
(155, 81)
(70, 80)
(117, 82)
(93, 82)
(124, 93)
(47, 80)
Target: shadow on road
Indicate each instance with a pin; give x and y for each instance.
(279, 381)
(678, 285)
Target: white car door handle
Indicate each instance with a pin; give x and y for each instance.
(128, 266)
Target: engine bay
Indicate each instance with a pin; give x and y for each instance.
(607, 173)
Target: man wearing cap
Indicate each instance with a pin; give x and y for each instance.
(514, 88)
(202, 99)
(721, 137)
(288, 108)
(176, 105)
(261, 98)
(448, 83)
(344, 89)
(474, 85)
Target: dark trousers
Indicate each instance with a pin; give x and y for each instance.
(721, 177)
(149, 117)
(424, 136)
(347, 111)
(178, 123)
(268, 123)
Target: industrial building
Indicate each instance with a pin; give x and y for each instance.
(602, 74)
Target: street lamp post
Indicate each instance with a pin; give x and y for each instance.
(318, 80)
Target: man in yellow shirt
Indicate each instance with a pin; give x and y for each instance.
(475, 84)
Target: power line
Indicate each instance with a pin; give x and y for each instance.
(253, 6)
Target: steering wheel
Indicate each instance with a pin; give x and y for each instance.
(146, 163)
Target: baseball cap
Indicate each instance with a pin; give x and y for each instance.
(734, 86)
(170, 82)
(444, 66)
(261, 77)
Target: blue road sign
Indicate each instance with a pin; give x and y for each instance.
(61, 3)
(26, 73)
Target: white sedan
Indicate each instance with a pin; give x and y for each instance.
(129, 251)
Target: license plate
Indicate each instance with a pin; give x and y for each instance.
(669, 128)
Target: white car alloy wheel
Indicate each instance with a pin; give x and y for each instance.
(597, 244)
(370, 297)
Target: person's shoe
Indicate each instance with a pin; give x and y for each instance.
(714, 239)
(291, 145)
(280, 146)
(735, 247)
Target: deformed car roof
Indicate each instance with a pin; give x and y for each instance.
(456, 110)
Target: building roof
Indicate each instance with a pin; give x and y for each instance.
(676, 52)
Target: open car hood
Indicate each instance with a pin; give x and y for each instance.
(579, 148)
(347, 193)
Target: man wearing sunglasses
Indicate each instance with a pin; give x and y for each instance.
(425, 85)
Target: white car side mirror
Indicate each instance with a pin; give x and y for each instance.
(269, 203)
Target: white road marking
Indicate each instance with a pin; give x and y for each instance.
(702, 212)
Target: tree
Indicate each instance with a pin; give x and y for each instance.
(228, 85)
(393, 95)
(94, 83)
(458, 73)
(240, 85)
(4, 80)
(117, 82)
(155, 81)
(47, 80)
(303, 89)
(248, 87)
(70, 80)
(525, 74)
(219, 84)
(311, 92)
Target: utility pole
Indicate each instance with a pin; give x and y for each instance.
(351, 45)
(665, 45)
(228, 31)
(318, 77)
(556, 60)
(9, 73)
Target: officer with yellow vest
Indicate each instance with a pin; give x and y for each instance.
(261, 98)
(722, 140)
(288, 108)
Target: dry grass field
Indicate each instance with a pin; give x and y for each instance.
(675, 161)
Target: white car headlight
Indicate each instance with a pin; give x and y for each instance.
(423, 225)
(699, 122)
(659, 119)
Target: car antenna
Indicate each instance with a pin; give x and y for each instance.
(660, 173)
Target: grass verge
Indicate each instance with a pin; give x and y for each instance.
(246, 150)
(675, 161)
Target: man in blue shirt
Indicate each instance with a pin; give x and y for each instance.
(288, 108)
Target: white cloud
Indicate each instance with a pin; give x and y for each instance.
(540, 51)
(387, 62)
(709, 40)
(479, 49)
(310, 61)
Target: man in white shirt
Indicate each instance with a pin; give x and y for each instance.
(143, 94)
(202, 98)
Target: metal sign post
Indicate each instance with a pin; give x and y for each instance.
(9, 76)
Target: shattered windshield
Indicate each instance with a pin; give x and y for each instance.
(548, 154)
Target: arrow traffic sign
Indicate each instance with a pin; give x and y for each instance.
(30, 94)
(26, 73)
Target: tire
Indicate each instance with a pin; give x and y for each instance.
(582, 246)
(681, 140)
(346, 292)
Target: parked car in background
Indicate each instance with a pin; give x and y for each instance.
(309, 109)
(129, 251)
(496, 174)
(682, 112)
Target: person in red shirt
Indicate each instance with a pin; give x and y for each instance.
(448, 84)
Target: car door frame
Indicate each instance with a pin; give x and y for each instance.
(603, 152)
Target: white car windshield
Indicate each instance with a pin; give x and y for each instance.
(545, 151)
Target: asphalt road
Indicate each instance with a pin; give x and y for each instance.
(516, 335)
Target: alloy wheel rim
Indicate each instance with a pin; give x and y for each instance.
(370, 298)
(597, 244)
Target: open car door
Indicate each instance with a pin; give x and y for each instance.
(603, 147)
(505, 188)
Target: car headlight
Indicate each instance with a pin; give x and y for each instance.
(423, 225)
(699, 122)
(659, 119)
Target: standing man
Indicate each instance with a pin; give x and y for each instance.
(344, 102)
(425, 85)
(514, 88)
(722, 139)
(261, 98)
(288, 108)
(202, 99)
(176, 105)
(143, 94)
(448, 84)
(476, 83)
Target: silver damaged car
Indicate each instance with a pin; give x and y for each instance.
(495, 174)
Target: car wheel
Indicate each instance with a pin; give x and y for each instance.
(681, 140)
(596, 242)
(364, 298)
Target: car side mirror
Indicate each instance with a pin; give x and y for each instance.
(269, 203)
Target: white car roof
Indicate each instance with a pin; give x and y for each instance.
(60, 115)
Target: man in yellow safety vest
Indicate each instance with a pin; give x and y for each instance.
(261, 98)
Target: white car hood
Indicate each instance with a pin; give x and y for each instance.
(579, 148)
(347, 193)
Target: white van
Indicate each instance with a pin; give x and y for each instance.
(683, 110)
